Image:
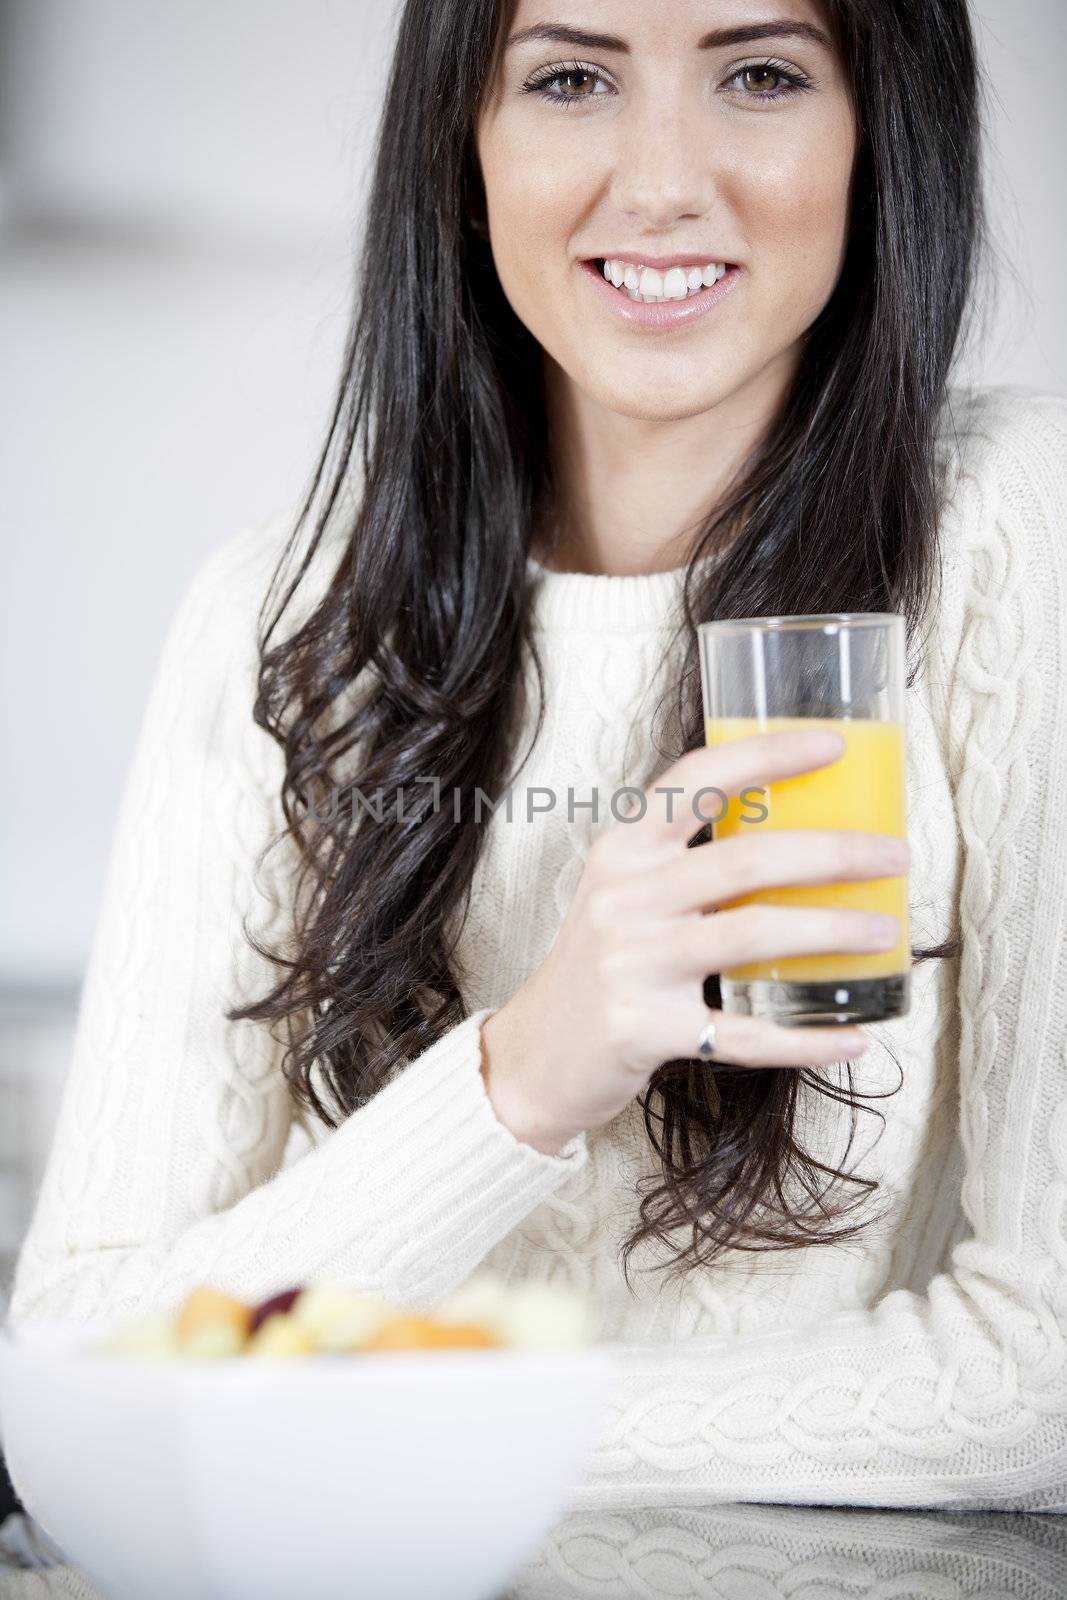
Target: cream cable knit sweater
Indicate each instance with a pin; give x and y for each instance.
(758, 1552)
(769, 1552)
(924, 1365)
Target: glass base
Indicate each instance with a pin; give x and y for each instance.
(818, 1005)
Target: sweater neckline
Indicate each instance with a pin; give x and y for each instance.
(599, 600)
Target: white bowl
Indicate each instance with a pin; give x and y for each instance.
(399, 1475)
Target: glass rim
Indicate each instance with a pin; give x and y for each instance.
(813, 620)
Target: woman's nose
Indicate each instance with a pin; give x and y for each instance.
(664, 164)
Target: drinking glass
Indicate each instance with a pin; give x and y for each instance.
(840, 670)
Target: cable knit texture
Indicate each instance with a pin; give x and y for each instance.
(925, 1364)
(749, 1552)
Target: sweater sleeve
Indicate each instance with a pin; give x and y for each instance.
(765, 1552)
(956, 1396)
(167, 1164)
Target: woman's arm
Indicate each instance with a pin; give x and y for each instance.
(776, 1552)
(173, 1121)
(955, 1397)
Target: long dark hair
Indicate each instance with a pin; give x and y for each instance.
(440, 417)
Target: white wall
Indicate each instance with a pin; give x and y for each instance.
(227, 117)
(183, 189)
(1023, 45)
(171, 325)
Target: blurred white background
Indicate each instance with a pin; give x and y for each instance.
(180, 191)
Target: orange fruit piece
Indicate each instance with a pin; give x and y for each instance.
(208, 1308)
(426, 1333)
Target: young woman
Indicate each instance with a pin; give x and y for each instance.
(655, 323)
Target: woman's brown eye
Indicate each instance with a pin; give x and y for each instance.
(761, 79)
(569, 77)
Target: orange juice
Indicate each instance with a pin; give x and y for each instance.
(862, 790)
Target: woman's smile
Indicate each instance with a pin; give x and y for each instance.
(669, 278)
(659, 300)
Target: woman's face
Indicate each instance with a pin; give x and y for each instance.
(720, 131)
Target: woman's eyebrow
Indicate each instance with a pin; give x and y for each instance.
(560, 33)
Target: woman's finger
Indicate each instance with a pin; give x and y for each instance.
(699, 945)
(727, 868)
(754, 1042)
(690, 793)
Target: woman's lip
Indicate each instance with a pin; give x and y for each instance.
(664, 314)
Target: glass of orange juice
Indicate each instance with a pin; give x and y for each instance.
(845, 670)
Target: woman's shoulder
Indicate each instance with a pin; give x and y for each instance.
(1003, 453)
(1006, 437)
(229, 586)
(234, 570)
(1003, 525)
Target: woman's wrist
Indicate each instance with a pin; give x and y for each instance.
(501, 1068)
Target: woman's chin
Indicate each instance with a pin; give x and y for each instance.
(656, 398)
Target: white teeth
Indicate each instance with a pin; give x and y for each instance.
(645, 283)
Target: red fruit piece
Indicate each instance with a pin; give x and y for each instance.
(279, 1303)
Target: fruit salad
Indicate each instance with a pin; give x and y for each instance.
(328, 1319)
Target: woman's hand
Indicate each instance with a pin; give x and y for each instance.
(621, 989)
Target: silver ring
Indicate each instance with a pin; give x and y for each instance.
(706, 1042)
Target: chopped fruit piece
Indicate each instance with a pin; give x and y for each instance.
(483, 1298)
(541, 1316)
(425, 1333)
(485, 1312)
(338, 1319)
(217, 1338)
(277, 1302)
(280, 1335)
(207, 1307)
